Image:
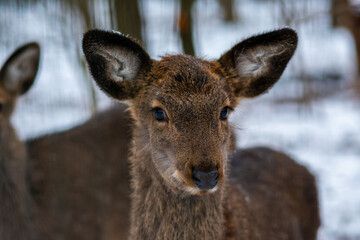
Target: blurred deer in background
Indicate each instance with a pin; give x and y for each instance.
(79, 179)
(69, 185)
(186, 184)
(16, 77)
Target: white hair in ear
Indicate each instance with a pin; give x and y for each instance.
(21, 68)
(255, 62)
(124, 65)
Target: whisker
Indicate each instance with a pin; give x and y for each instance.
(235, 126)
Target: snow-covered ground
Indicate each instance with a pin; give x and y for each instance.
(325, 136)
(326, 140)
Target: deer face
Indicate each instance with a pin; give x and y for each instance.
(184, 112)
(16, 77)
(181, 103)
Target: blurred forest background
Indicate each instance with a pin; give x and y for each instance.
(313, 113)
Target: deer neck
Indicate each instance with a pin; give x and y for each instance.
(12, 152)
(159, 212)
(14, 196)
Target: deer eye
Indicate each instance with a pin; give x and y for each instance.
(0, 107)
(224, 113)
(159, 114)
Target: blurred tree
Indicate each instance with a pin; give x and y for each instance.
(83, 7)
(185, 22)
(228, 10)
(124, 16)
(290, 12)
(346, 15)
(128, 18)
(87, 13)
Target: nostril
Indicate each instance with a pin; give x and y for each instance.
(214, 173)
(215, 176)
(205, 180)
(195, 178)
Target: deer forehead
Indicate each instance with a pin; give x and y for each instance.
(188, 81)
(188, 105)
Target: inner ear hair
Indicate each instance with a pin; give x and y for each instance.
(19, 71)
(256, 61)
(255, 64)
(116, 62)
(124, 65)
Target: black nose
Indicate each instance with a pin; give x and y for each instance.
(205, 180)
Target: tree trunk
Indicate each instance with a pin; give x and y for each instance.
(229, 14)
(345, 15)
(88, 16)
(185, 26)
(128, 19)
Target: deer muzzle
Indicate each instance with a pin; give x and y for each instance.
(205, 180)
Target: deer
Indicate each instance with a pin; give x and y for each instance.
(79, 179)
(16, 77)
(188, 180)
(63, 209)
(55, 186)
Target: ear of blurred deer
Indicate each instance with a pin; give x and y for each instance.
(255, 64)
(19, 71)
(116, 62)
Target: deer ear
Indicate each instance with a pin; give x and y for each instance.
(19, 71)
(255, 64)
(116, 62)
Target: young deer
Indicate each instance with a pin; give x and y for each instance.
(16, 77)
(80, 179)
(184, 185)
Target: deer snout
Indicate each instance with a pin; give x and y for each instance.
(205, 180)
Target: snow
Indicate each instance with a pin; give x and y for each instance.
(324, 136)
(326, 140)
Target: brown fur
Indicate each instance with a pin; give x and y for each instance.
(68, 185)
(80, 179)
(166, 204)
(16, 76)
(262, 177)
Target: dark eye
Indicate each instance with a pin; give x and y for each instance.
(0, 107)
(224, 113)
(160, 114)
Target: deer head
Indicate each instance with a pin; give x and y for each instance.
(16, 77)
(181, 103)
